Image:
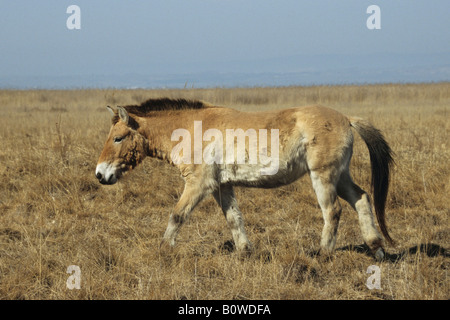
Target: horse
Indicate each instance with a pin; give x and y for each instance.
(313, 139)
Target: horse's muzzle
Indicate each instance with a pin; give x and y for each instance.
(106, 174)
(111, 179)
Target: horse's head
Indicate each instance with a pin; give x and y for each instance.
(124, 149)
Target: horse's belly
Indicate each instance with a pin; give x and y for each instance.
(261, 176)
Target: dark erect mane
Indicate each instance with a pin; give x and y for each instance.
(163, 104)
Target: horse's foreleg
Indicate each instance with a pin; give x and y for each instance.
(191, 196)
(226, 199)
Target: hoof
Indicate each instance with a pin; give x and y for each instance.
(165, 247)
(245, 251)
(379, 254)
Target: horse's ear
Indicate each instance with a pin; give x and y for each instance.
(111, 110)
(123, 114)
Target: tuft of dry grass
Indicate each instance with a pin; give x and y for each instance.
(53, 212)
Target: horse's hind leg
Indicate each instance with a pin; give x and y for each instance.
(323, 182)
(226, 199)
(359, 200)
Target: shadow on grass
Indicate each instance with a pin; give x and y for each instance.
(227, 246)
(430, 249)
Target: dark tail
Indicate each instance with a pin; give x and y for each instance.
(381, 159)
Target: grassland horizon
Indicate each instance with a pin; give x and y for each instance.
(54, 213)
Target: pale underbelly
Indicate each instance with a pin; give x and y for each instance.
(262, 177)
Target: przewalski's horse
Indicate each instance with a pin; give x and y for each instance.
(314, 140)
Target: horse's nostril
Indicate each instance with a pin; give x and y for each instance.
(99, 176)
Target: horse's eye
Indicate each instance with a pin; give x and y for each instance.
(118, 139)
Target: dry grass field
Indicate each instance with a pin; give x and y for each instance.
(54, 213)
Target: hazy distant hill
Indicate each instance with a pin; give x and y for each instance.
(285, 71)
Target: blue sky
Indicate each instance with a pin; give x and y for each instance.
(160, 37)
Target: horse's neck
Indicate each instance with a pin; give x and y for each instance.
(156, 148)
(158, 136)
